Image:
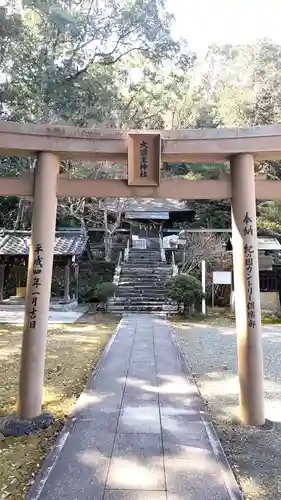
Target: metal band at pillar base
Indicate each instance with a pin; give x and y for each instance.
(14, 426)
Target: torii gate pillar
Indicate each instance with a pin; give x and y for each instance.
(39, 281)
(247, 290)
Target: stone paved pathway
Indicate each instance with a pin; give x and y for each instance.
(138, 432)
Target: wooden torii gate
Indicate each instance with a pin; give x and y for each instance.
(144, 151)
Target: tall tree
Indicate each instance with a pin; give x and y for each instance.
(72, 62)
(64, 69)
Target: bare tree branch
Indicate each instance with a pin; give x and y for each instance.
(200, 247)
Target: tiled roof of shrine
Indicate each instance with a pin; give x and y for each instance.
(67, 243)
(145, 205)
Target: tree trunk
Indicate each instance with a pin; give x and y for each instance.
(107, 239)
(108, 248)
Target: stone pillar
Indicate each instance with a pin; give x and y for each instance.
(247, 292)
(66, 281)
(18, 276)
(38, 291)
(2, 281)
(77, 281)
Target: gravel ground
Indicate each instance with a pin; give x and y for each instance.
(254, 454)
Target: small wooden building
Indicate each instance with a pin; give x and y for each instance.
(70, 248)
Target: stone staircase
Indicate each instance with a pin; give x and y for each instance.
(141, 286)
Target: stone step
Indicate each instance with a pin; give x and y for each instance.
(152, 254)
(138, 300)
(150, 265)
(144, 260)
(144, 276)
(146, 265)
(141, 307)
(144, 279)
(138, 286)
(147, 258)
(144, 307)
(148, 281)
(159, 314)
(148, 269)
(127, 292)
(144, 251)
(145, 272)
(143, 298)
(145, 255)
(141, 286)
(144, 283)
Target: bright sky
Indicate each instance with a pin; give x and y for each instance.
(203, 22)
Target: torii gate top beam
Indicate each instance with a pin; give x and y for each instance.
(194, 146)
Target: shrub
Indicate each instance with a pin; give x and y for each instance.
(105, 290)
(185, 289)
(91, 274)
(89, 295)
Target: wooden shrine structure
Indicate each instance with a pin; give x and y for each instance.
(70, 247)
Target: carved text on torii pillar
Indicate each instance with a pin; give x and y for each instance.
(36, 283)
(248, 252)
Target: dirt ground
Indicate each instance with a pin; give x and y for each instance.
(72, 352)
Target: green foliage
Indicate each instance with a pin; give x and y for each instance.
(212, 214)
(105, 290)
(184, 289)
(91, 274)
(269, 217)
(197, 171)
(88, 294)
(72, 64)
(116, 64)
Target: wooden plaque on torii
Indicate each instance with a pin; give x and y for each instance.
(144, 159)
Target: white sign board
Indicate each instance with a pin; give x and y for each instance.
(222, 278)
(170, 241)
(139, 243)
